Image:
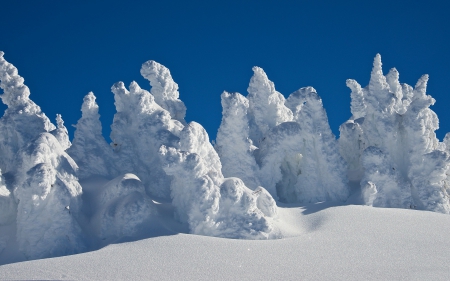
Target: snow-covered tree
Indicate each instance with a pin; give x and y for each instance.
(7, 206)
(209, 203)
(233, 144)
(23, 119)
(49, 199)
(89, 149)
(395, 119)
(266, 106)
(61, 133)
(139, 128)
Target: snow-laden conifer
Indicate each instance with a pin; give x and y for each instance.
(396, 119)
(23, 120)
(139, 128)
(89, 149)
(49, 199)
(266, 106)
(233, 144)
(61, 133)
(209, 203)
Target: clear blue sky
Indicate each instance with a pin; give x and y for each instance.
(64, 49)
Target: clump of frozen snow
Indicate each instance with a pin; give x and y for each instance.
(89, 148)
(390, 142)
(49, 198)
(164, 89)
(122, 207)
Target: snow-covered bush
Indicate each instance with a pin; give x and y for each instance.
(122, 207)
(89, 149)
(395, 119)
(49, 199)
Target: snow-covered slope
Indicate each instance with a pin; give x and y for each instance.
(323, 243)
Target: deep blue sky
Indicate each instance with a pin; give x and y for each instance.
(64, 49)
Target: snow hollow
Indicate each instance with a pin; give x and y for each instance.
(275, 172)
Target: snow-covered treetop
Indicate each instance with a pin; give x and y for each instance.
(90, 106)
(164, 89)
(15, 92)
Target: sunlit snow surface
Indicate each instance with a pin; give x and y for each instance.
(322, 243)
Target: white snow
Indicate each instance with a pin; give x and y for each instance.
(273, 199)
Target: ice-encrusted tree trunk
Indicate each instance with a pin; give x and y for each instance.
(396, 119)
(209, 203)
(49, 198)
(89, 149)
(164, 89)
(233, 144)
(266, 106)
(139, 128)
(23, 119)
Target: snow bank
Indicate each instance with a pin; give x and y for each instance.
(49, 198)
(89, 149)
(122, 207)
(395, 123)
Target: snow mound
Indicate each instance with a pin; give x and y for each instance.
(49, 198)
(122, 208)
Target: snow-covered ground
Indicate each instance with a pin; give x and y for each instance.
(322, 242)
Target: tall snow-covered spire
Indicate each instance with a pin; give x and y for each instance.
(266, 105)
(164, 89)
(233, 143)
(23, 119)
(89, 149)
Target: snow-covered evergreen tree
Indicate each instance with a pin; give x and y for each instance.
(233, 144)
(266, 106)
(23, 119)
(61, 133)
(209, 203)
(396, 119)
(89, 149)
(139, 128)
(49, 199)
